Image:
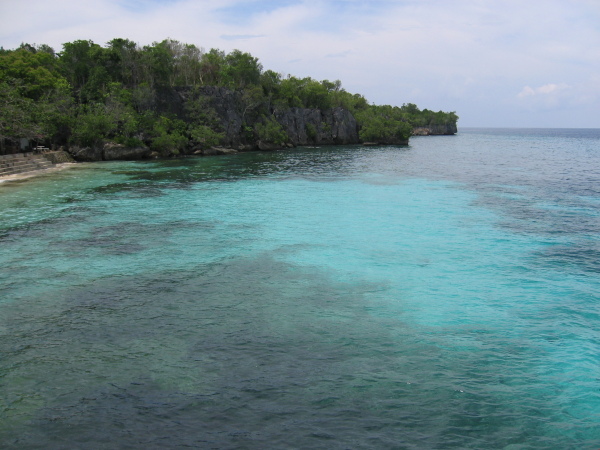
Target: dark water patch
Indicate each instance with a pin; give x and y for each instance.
(132, 190)
(157, 231)
(124, 238)
(99, 327)
(523, 212)
(541, 223)
(70, 199)
(297, 162)
(44, 228)
(106, 244)
(174, 178)
(579, 256)
(248, 352)
(77, 210)
(168, 178)
(132, 173)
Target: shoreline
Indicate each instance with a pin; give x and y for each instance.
(35, 173)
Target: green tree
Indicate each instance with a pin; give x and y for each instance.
(271, 85)
(169, 136)
(82, 64)
(188, 65)
(124, 61)
(383, 124)
(271, 131)
(204, 136)
(290, 91)
(35, 71)
(92, 125)
(241, 70)
(56, 115)
(204, 124)
(159, 63)
(316, 95)
(87, 94)
(253, 99)
(18, 116)
(212, 68)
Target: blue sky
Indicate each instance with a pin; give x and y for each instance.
(497, 63)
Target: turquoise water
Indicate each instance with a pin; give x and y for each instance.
(440, 295)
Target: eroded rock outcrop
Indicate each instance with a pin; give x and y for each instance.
(59, 157)
(228, 107)
(321, 127)
(233, 114)
(109, 151)
(86, 153)
(303, 126)
(440, 129)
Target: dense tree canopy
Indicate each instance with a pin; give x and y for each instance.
(88, 93)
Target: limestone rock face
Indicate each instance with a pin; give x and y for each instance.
(86, 153)
(109, 152)
(112, 151)
(421, 131)
(344, 128)
(269, 146)
(321, 127)
(59, 157)
(445, 129)
(303, 126)
(237, 119)
(228, 106)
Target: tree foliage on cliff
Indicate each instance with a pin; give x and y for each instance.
(383, 124)
(88, 93)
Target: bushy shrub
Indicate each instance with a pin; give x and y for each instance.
(169, 136)
(92, 126)
(169, 144)
(271, 131)
(311, 131)
(383, 124)
(205, 136)
(129, 141)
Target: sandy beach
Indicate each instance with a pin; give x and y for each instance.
(34, 173)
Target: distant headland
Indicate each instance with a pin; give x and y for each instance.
(125, 101)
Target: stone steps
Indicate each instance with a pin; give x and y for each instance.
(22, 163)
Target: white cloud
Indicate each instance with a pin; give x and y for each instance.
(546, 89)
(526, 92)
(240, 37)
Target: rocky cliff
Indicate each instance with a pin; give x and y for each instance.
(321, 127)
(437, 129)
(239, 123)
(303, 126)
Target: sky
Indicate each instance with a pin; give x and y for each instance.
(496, 63)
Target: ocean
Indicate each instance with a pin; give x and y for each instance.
(444, 294)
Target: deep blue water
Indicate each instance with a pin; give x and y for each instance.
(440, 295)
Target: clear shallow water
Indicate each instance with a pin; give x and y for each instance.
(441, 295)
